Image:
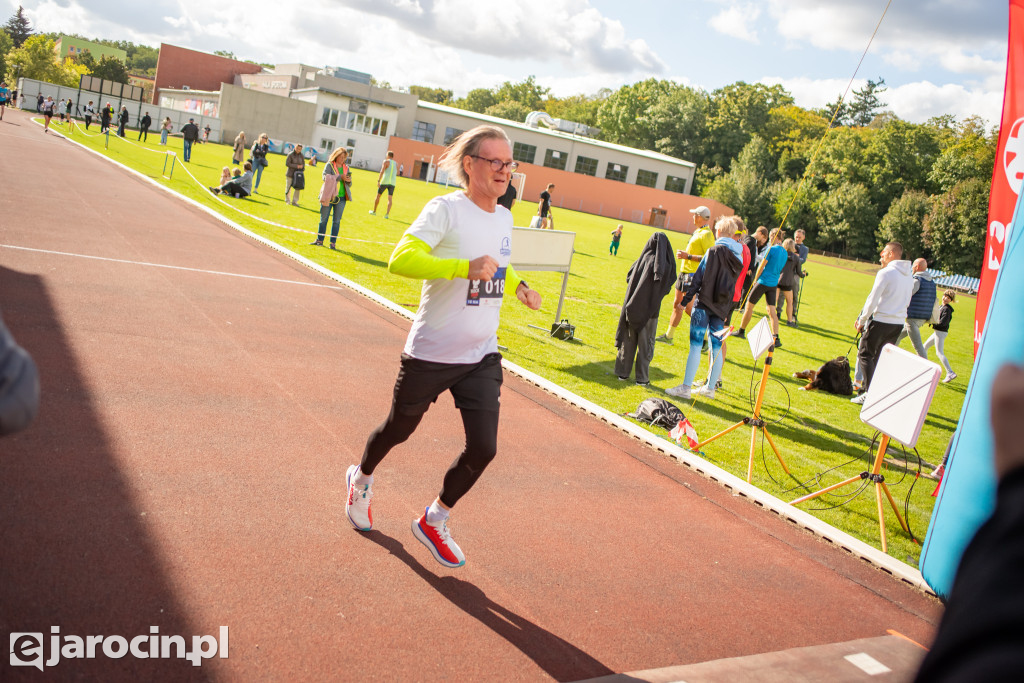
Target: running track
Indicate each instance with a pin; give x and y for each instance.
(186, 471)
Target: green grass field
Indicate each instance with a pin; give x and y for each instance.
(820, 436)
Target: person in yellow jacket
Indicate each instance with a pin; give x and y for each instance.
(701, 240)
(460, 245)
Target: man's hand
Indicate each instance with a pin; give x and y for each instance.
(482, 268)
(528, 296)
(680, 254)
(856, 325)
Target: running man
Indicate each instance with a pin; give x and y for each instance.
(386, 181)
(544, 207)
(460, 245)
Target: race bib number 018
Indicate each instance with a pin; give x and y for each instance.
(487, 292)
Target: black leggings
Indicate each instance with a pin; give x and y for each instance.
(476, 389)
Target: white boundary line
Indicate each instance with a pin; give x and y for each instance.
(841, 539)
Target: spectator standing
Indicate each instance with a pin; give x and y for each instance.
(922, 305)
(165, 130)
(803, 252)
(240, 147)
(122, 121)
(775, 257)
(62, 108)
(189, 135)
(294, 162)
(648, 281)
(105, 115)
(508, 200)
(737, 297)
(789, 280)
(39, 103)
(90, 111)
(240, 187)
(258, 157)
(459, 243)
(938, 338)
(544, 207)
(206, 133)
(884, 312)
(336, 174)
(613, 248)
(144, 123)
(386, 180)
(700, 241)
(5, 95)
(712, 286)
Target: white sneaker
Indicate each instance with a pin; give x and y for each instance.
(706, 392)
(949, 378)
(357, 507)
(373, 213)
(859, 400)
(682, 391)
(439, 541)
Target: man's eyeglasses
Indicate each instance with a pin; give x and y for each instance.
(498, 164)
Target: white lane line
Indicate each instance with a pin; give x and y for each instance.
(164, 265)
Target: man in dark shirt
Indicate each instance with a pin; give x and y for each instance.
(508, 200)
(190, 134)
(144, 125)
(544, 207)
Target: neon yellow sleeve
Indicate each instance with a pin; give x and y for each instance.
(412, 258)
(512, 276)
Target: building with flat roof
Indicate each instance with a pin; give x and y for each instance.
(178, 68)
(67, 46)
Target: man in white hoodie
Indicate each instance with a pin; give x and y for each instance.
(885, 311)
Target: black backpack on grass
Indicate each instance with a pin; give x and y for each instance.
(658, 412)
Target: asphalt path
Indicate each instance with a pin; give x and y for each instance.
(202, 398)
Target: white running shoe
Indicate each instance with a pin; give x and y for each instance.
(682, 391)
(706, 392)
(859, 400)
(373, 213)
(949, 378)
(439, 541)
(357, 507)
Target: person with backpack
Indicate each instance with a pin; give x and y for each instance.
(922, 303)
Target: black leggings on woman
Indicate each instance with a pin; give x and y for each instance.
(476, 388)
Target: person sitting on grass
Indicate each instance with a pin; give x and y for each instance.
(225, 174)
(240, 186)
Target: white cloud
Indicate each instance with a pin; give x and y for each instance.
(737, 22)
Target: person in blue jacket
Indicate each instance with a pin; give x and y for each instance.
(774, 259)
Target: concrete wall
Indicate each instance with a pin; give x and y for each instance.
(178, 66)
(600, 196)
(281, 118)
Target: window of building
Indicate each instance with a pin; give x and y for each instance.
(646, 178)
(450, 134)
(424, 132)
(674, 184)
(326, 145)
(586, 166)
(524, 152)
(330, 117)
(555, 159)
(616, 172)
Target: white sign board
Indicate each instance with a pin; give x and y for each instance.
(534, 249)
(760, 337)
(900, 393)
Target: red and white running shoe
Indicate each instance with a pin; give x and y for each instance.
(439, 541)
(357, 507)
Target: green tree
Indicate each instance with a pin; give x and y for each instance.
(846, 221)
(841, 158)
(578, 108)
(110, 68)
(435, 95)
(678, 122)
(737, 113)
(791, 133)
(6, 45)
(899, 157)
(904, 223)
(477, 100)
(954, 229)
(509, 110)
(866, 104)
(747, 186)
(526, 92)
(795, 211)
(968, 153)
(625, 116)
(225, 53)
(38, 60)
(18, 27)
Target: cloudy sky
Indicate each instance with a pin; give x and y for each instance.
(936, 56)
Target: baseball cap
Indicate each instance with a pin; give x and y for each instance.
(703, 211)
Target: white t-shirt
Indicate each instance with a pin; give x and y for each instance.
(457, 321)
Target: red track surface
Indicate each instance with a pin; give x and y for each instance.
(186, 471)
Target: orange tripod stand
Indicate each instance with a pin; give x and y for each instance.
(755, 422)
(876, 476)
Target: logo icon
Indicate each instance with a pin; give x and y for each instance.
(27, 649)
(1013, 156)
(506, 243)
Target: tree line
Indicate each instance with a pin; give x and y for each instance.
(852, 175)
